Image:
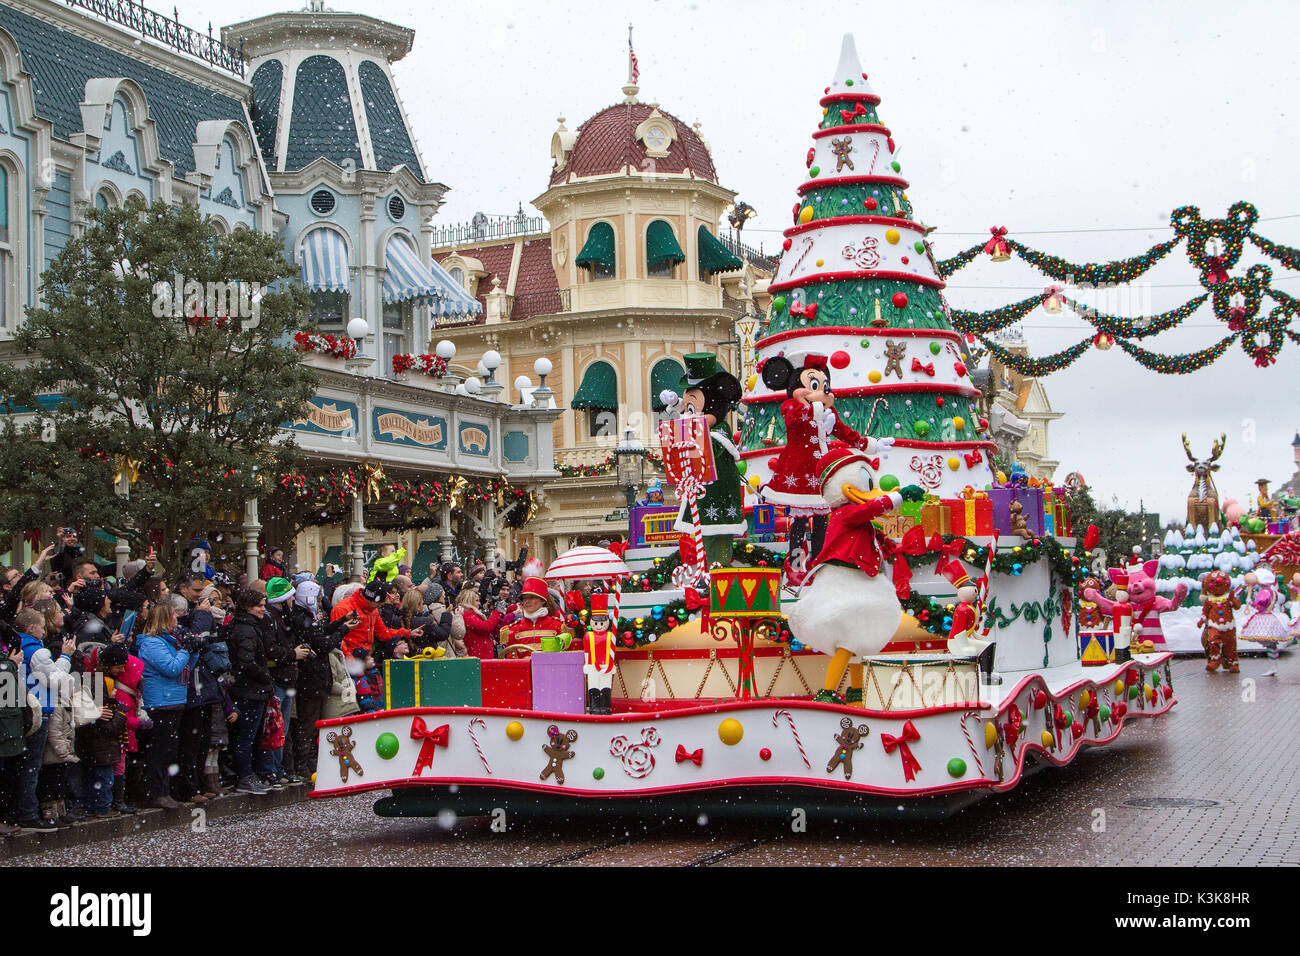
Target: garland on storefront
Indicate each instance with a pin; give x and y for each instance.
(603, 467)
(335, 346)
(340, 485)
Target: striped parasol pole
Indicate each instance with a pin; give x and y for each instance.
(987, 583)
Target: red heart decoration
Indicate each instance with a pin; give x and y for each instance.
(1040, 699)
(1167, 691)
(1076, 729)
(786, 244)
(1012, 733)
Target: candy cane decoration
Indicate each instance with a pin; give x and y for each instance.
(875, 153)
(803, 253)
(474, 737)
(873, 411)
(797, 742)
(970, 743)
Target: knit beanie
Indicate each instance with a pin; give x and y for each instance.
(307, 594)
(302, 576)
(112, 656)
(89, 599)
(278, 590)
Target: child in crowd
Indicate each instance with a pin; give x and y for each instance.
(370, 685)
(99, 743)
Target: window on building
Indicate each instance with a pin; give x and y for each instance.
(666, 374)
(597, 254)
(662, 252)
(328, 310)
(397, 325)
(459, 276)
(598, 396)
(8, 295)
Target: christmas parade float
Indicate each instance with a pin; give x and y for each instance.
(918, 641)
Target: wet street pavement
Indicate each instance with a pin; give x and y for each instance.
(1231, 748)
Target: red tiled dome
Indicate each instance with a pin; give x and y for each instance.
(607, 144)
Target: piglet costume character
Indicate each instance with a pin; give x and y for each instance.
(811, 423)
(1145, 608)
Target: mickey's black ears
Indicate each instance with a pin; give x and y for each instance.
(728, 387)
(777, 372)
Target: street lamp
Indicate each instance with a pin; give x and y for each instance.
(446, 350)
(358, 329)
(542, 394)
(490, 362)
(739, 213)
(630, 458)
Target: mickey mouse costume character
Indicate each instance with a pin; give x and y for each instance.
(810, 422)
(710, 390)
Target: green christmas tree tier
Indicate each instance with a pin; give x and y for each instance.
(858, 284)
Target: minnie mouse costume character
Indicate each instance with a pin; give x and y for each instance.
(811, 421)
(710, 390)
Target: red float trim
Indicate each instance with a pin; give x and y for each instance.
(855, 220)
(852, 128)
(898, 443)
(830, 98)
(854, 330)
(831, 181)
(862, 391)
(859, 274)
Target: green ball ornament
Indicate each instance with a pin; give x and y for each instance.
(848, 82)
(934, 348)
(896, 166)
(1155, 679)
(866, 343)
(386, 746)
(598, 773)
(778, 303)
(888, 482)
(919, 247)
(742, 466)
(1104, 713)
(1133, 692)
(956, 767)
(815, 171)
(922, 428)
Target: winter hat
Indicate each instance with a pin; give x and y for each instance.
(89, 599)
(302, 576)
(433, 593)
(126, 600)
(112, 656)
(376, 591)
(837, 456)
(278, 590)
(536, 587)
(307, 594)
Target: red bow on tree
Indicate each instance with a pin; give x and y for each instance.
(928, 369)
(858, 110)
(432, 740)
(1214, 270)
(892, 743)
(696, 757)
(974, 458)
(812, 151)
(693, 600)
(997, 244)
(873, 462)
(807, 311)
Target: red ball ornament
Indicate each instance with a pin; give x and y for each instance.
(900, 300)
(670, 621)
(903, 260)
(765, 754)
(786, 245)
(939, 400)
(870, 202)
(840, 359)
(627, 638)
(959, 368)
(762, 564)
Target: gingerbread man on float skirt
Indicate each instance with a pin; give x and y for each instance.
(710, 390)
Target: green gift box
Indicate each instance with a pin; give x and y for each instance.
(454, 682)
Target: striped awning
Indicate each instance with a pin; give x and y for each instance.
(406, 278)
(324, 261)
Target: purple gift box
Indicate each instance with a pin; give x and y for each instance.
(559, 684)
(1031, 501)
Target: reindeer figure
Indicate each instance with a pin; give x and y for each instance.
(1203, 500)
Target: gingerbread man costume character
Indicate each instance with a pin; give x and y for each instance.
(1219, 638)
(811, 421)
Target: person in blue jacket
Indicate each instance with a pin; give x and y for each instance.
(169, 652)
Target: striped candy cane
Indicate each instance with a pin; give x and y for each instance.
(970, 743)
(797, 742)
(474, 737)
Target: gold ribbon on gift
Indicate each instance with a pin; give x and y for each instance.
(372, 477)
(428, 654)
(124, 467)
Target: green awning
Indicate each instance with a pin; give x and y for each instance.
(599, 247)
(661, 245)
(714, 256)
(599, 389)
(667, 373)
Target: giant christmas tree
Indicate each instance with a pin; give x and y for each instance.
(857, 283)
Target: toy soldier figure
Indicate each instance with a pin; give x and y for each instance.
(599, 644)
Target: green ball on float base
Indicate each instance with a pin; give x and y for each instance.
(956, 767)
(922, 428)
(386, 746)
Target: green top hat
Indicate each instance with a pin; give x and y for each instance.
(700, 367)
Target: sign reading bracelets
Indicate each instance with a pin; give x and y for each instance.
(401, 428)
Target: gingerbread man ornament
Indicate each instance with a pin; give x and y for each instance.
(894, 352)
(343, 747)
(558, 751)
(850, 739)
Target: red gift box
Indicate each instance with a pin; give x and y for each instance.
(970, 516)
(508, 683)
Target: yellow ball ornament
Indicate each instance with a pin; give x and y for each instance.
(892, 236)
(873, 376)
(820, 263)
(1119, 687)
(806, 214)
(313, 779)
(1083, 700)
(954, 463)
(730, 731)
(958, 422)
(990, 735)
(754, 482)
(1048, 739)
(514, 730)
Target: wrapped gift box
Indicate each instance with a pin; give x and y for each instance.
(1063, 526)
(454, 682)
(1000, 499)
(1049, 511)
(508, 683)
(935, 519)
(970, 516)
(1031, 504)
(559, 685)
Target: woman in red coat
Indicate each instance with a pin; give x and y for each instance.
(481, 633)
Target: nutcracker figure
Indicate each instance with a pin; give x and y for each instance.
(963, 635)
(1218, 602)
(599, 644)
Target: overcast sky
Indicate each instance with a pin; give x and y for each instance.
(1037, 116)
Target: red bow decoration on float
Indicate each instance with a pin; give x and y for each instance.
(1012, 727)
(696, 757)
(1090, 537)
(892, 743)
(812, 152)
(997, 245)
(432, 740)
(619, 547)
(973, 459)
(913, 541)
(693, 600)
(928, 369)
(873, 462)
(848, 115)
(807, 311)
(1215, 273)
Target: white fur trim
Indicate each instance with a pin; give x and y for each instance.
(844, 608)
(725, 442)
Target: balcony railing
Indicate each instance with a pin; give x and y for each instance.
(541, 303)
(756, 256)
(169, 32)
(489, 229)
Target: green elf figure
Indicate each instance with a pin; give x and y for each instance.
(710, 390)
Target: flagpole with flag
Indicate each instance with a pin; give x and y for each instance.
(633, 68)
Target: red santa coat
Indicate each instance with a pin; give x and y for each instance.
(852, 539)
(795, 480)
(552, 623)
